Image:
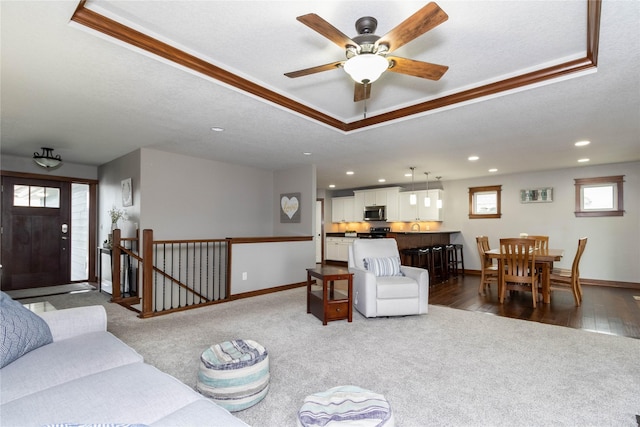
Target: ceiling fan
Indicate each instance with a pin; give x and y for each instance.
(367, 53)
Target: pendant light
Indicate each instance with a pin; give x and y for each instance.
(413, 198)
(427, 199)
(439, 203)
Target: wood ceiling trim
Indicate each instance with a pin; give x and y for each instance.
(121, 32)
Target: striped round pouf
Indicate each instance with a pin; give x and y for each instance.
(345, 406)
(234, 374)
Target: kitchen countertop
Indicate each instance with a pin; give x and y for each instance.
(426, 232)
(333, 234)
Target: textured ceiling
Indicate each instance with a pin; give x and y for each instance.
(94, 98)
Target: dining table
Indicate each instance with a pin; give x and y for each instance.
(544, 259)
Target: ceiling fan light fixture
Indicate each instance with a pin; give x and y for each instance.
(46, 159)
(366, 67)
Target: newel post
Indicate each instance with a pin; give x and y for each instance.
(147, 273)
(115, 266)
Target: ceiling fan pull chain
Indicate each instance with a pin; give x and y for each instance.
(365, 98)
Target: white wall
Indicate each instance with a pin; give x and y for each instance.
(271, 264)
(190, 198)
(613, 248)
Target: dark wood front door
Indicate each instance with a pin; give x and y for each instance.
(36, 233)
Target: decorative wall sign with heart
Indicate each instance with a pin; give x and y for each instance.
(290, 207)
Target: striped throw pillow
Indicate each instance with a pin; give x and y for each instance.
(382, 267)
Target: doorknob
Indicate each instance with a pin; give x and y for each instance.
(65, 228)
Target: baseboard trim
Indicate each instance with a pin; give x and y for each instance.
(588, 282)
(266, 291)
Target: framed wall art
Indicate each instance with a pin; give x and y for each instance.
(127, 192)
(536, 195)
(290, 207)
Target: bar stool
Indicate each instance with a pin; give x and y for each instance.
(412, 255)
(453, 260)
(427, 258)
(439, 262)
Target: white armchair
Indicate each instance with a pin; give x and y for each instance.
(383, 287)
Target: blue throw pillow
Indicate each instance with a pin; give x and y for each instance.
(381, 267)
(20, 330)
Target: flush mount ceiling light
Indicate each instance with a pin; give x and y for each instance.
(582, 143)
(46, 159)
(366, 68)
(473, 158)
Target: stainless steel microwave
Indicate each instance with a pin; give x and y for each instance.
(375, 213)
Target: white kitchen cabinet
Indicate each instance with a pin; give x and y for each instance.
(358, 206)
(378, 197)
(337, 248)
(342, 210)
(393, 206)
(419, 212)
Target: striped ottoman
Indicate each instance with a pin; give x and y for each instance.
(345, 406)
(234, 374)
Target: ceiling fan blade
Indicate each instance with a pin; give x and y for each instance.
(415, 68)
(313, 70)
(318, 24)
(361, 92)
(417, 24)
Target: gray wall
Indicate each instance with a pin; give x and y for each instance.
(110, 194)
(190, 198)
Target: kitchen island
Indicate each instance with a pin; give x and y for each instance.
(338, 243)
(420, 239)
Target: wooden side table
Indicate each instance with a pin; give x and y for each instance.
(330, 304)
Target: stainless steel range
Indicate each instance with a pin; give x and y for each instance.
(378, 232)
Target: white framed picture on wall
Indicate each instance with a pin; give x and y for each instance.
(127, 192)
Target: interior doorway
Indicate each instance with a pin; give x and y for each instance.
(319, 231)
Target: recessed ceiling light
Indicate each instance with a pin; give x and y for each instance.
(583, 160)
(473, 158)
(582, 143)
(306, 153)
(382, 180)
(408, 175)
(332, 186)
(349, 172)
(493, 170)
(217, 129)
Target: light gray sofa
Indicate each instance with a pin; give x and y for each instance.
(88, 376)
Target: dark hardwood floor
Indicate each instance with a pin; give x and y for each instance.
(606, 310)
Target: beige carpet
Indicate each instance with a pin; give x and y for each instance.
(449, 367)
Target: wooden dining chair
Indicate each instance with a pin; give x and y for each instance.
(569, 280)
(542, 242)
(489, 271)
(520, 272)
